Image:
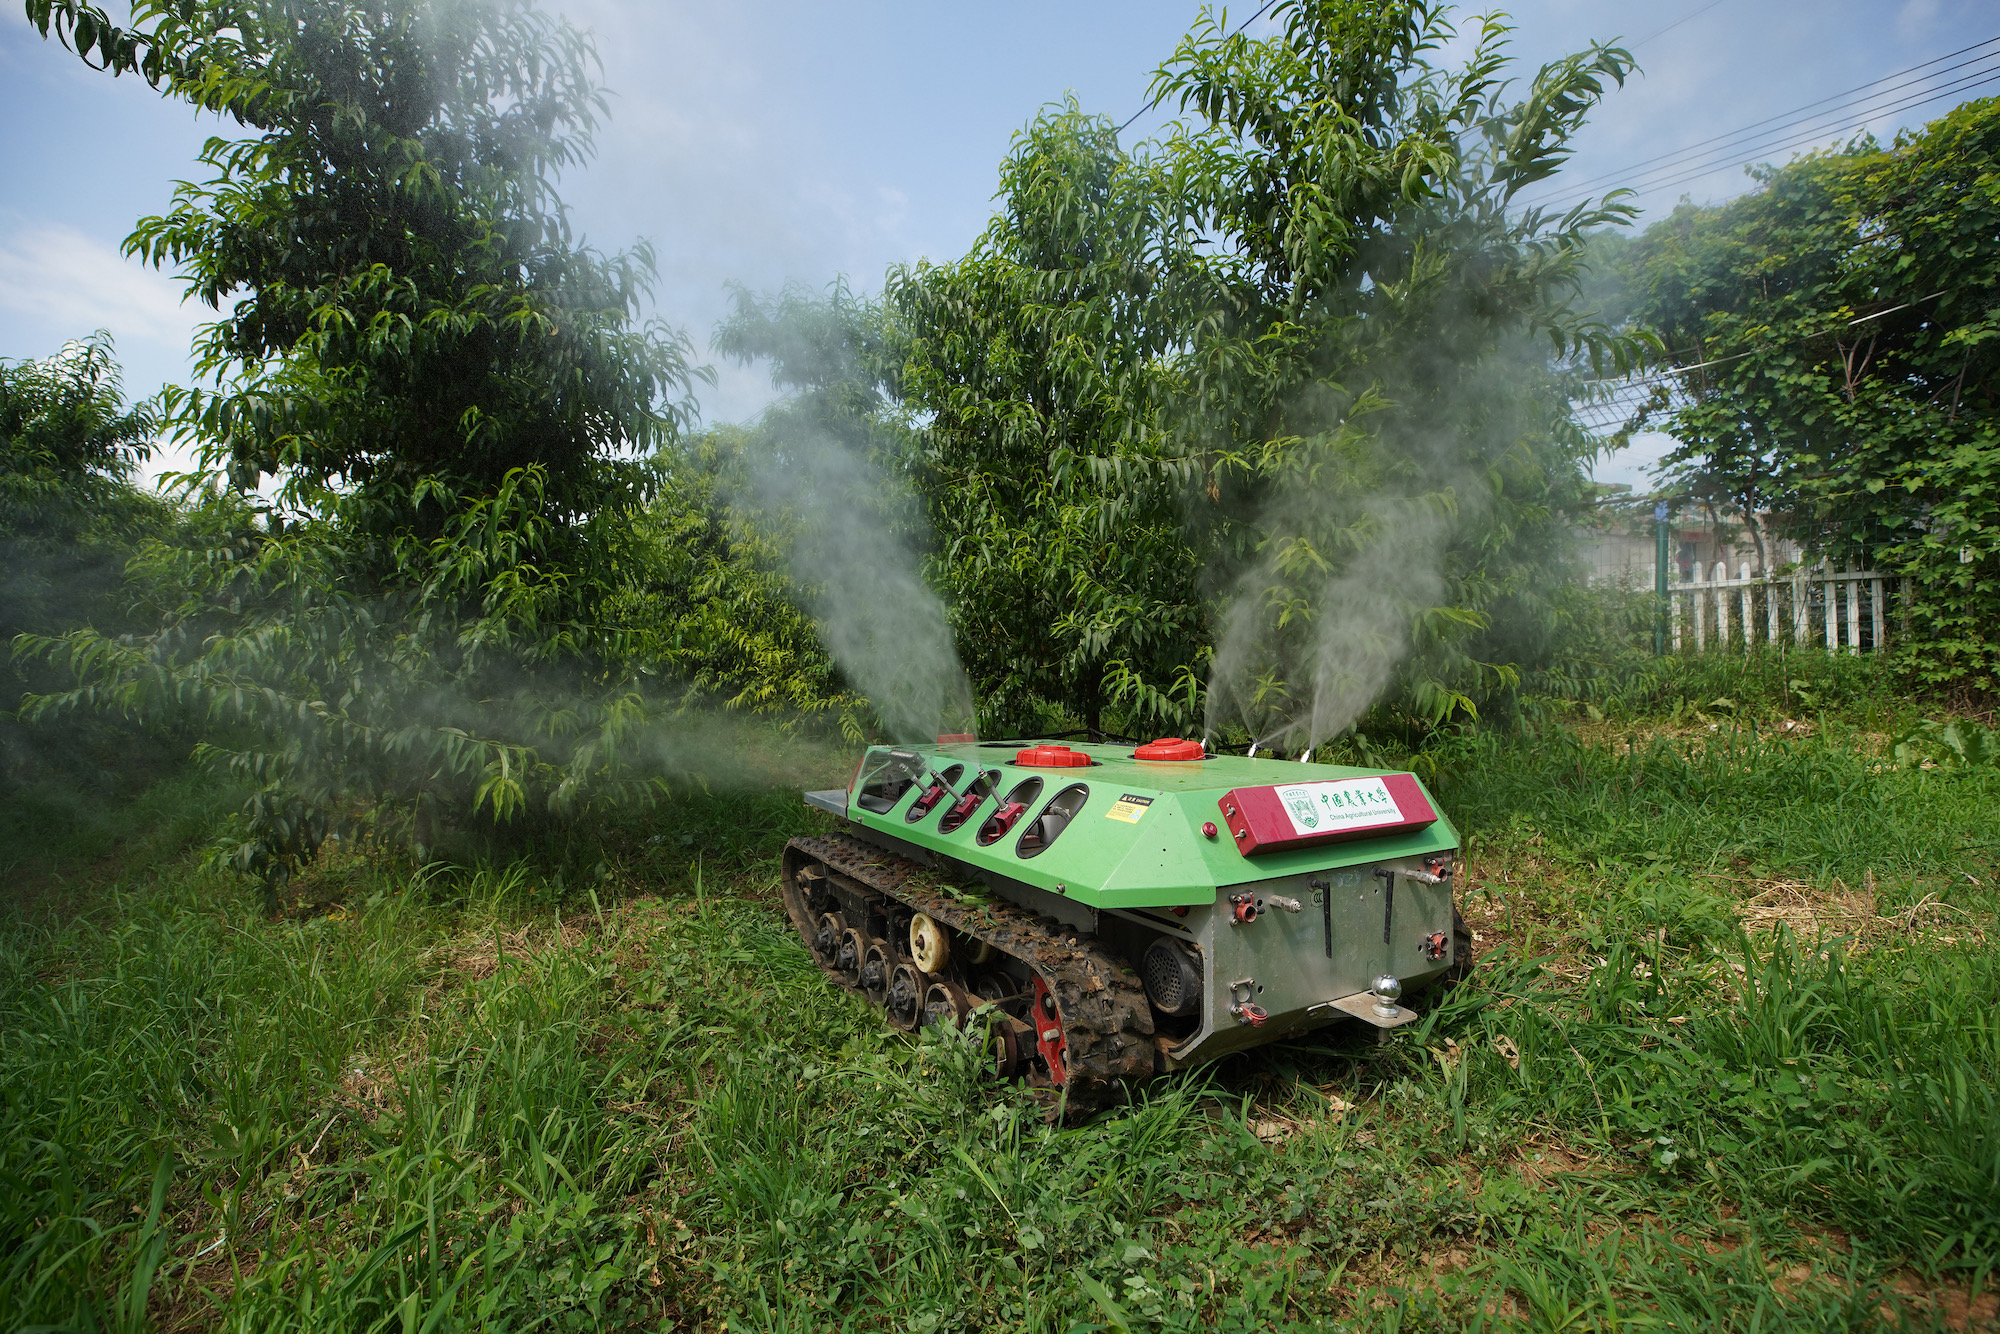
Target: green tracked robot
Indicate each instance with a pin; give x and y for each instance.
(1127, 910)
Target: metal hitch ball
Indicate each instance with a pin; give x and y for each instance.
(1388, 990)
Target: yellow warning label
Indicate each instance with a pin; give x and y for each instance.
(1128, 808)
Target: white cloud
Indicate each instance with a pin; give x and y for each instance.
(67, 280)
(1918, 20)
(893, 209)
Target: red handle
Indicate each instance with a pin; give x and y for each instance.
(1003, 819)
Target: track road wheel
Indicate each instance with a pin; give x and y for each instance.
(904, 1000)
(847, 956)
(947, 1003)
(825, 941)
(1046, 1017)
(876, 965)
(930, 944)
(1004, 1042)
(994, 986)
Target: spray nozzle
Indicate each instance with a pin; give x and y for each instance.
(923, 766)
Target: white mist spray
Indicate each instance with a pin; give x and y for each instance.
(1298, 661)
(861, 574)
(1357, 537)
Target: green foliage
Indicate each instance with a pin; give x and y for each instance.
(1378, 393)
(453, 397)
(816, 486)
(69, 518)
(428, 328)
(1256, 413)
(1948, 744)
(1603, 662)
(1850, 368)
(408, 315)
(753, 507)
(1041, 362)
(715, 598)
(455, 698)
(62, 826)
(67, 438)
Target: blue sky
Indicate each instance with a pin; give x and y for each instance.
(762, 142)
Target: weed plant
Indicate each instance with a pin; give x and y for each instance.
(1728, 1063)
(1769, 683)
(59, 838)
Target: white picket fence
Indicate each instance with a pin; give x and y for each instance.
(1813, 605)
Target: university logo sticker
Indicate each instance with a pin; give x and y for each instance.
(1350, 803)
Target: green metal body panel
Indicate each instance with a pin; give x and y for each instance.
(1160, 859)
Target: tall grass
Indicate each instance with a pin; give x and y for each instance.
(1768, 681)
(609, 1091)
(1824, 805)
(1855, 1092)
(52, 828)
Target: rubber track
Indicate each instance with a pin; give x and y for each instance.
(1107, 1023)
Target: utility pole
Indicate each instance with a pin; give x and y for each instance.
(1659, 578)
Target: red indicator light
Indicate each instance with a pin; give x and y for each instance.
(1208, 830)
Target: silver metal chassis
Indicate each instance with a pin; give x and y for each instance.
(1306, 969)
(1313, 967)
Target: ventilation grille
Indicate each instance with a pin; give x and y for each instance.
(1173, 980)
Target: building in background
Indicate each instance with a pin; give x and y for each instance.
(1616, 547)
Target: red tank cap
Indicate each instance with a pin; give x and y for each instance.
(955, 738)
(1051, 757)
(1170, 748)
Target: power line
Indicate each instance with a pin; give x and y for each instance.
(1964, 86)
(1617, 408)
(1610, 410)
(1792, 117)
(1677, 23)
(1654, 182)
(1799, 110)
(1238, 33)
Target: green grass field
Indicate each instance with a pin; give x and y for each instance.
(1728, 1062)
